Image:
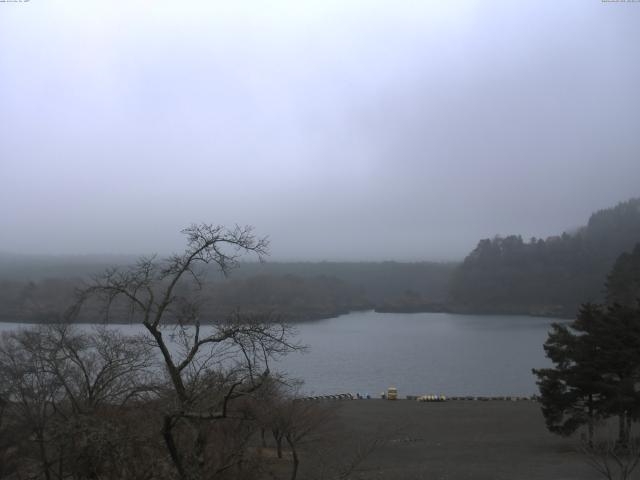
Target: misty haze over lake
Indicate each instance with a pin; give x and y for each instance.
(343, 130)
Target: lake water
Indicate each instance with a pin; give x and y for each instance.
(419, 353)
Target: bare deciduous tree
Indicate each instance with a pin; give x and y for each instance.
(61, 385)
(612, 460)
(208, 365)
(97, 367)
(33, 392)
(299, 420)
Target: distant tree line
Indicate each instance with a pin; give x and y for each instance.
(296, 291)
(551, 276)
(292, 297)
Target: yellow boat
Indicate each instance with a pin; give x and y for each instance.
(392, 393)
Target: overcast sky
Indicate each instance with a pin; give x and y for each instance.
(342, 129)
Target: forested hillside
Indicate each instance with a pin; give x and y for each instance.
(551, 276)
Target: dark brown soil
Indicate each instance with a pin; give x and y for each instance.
(457, 440)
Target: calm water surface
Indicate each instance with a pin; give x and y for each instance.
(418, 353)
(421, 353)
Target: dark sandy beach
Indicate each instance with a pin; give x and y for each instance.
(457, 440)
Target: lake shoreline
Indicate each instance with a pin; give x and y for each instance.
(314, 318)
(465, 310)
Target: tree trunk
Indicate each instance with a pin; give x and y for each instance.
(623, 433)
(43, 455)
(278, 438)
(171, 446)
(200, 444)
(591, 421)
(60, 462)
(294, 455)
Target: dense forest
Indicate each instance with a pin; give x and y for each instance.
(39, 289)
(547, 277)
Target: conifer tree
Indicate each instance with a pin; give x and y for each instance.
(570, 392)
(596, 371)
